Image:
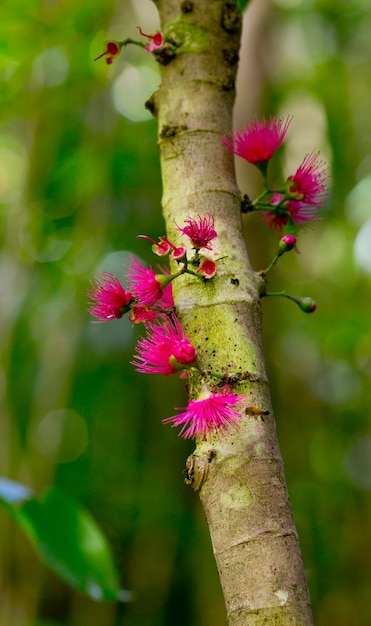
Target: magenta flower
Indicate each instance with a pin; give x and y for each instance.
(147, 286)
(210, 412)
(165, 349)
(307, 185)
(141, 313)
(292, 210)
(109, 299)
(167, 300)
(260, 139)
(200, 231)
(307, 191)
(156, 40)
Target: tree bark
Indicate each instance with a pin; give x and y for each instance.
(240, 476)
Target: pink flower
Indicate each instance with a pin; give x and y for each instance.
(260, 139)
(165, 349)
(296, 211)
(200, 231)
(113, 49)
(167, 300)
(210, 412)
(109, 298)
(307, 191)
(147, 286)
(307, 184)
(141, 313)
(156, 40)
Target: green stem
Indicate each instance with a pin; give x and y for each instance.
(133, 41)
(263, 273)
(282, 294)
(262, 195)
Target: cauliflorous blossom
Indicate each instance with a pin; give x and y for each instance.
(113, 49)
(307, 190)
(167, 299)
(156, 40)
(200, 230)
(210, 412)
(294, 210)
(141, 313)
(147, 286)
(259, 140)
(165, 349)
(109, 299)
(307, 185)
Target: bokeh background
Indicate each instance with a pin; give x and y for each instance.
(79, 178)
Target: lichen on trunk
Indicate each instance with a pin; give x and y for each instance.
(239, 476)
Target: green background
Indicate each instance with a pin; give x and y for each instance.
(79, 178)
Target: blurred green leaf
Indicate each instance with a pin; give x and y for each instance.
(66, 538)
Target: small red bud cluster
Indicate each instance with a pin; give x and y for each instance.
(113, 48)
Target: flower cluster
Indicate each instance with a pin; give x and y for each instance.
(150, 292)
(166, 349)
(297, 202)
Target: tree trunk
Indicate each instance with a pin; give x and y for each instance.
(240, 476)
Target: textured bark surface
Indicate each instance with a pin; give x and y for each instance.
(239, 477)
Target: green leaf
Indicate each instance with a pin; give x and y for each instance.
(66, 538)
(243, 4)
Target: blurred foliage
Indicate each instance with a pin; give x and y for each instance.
(79, 178)
(66, 538)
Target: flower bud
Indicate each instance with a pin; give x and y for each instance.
(308, 305)
(288, 242)
(113, 49)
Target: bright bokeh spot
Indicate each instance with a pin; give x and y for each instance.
(13, 168)
(61, 435)
(357, 462)
(131, 89)
(357, 202)
(50, 68)
(336, 382)
(362, 246)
